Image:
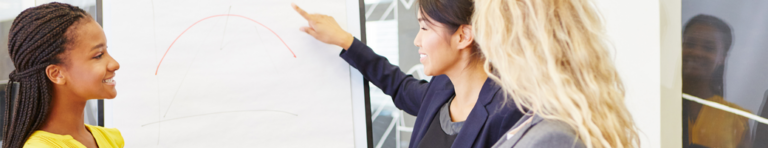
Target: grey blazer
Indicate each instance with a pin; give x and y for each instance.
(540, 133)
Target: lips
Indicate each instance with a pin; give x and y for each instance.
(109, 81)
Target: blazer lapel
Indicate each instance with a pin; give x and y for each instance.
(523, 130)
(476, 119)
(438, 99)
(471, 129)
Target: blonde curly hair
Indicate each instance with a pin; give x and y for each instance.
(550, 56)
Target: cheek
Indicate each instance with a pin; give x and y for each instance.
(710, 60)
(85, 82)
(438, 53)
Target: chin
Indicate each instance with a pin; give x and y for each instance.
(428, 72)
(111, 95)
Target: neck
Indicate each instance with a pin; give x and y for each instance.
(66, 115)
(468, 80)
(697, 87)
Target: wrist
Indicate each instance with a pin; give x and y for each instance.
(347, 42)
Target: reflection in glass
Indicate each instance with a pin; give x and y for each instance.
(706, 42)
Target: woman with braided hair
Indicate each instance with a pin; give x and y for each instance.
(61, 61)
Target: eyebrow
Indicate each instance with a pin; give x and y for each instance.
(98, 46)
(421, 19)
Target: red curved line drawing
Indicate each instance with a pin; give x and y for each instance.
(220, 15)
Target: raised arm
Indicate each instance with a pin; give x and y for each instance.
(406, 91)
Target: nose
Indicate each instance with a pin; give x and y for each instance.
(113, 64)
(417, 40)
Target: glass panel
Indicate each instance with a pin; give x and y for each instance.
(724, 62)
(391, 26)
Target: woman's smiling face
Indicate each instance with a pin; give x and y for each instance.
(703, 51)
(435, 46)
(87, 68)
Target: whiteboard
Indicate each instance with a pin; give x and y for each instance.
(239, 73)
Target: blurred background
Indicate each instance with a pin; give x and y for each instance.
(391, 27)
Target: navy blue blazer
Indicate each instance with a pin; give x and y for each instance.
(486, 123)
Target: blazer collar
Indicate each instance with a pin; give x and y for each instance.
(488, 92)
(525, 128)
(477, 117)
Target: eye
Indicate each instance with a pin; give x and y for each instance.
(422, 28)
(98, 56)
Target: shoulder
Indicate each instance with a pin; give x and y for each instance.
(551, 133)
(111, 135)
(553, 126)
(721, 100)
(498, 96)
(502, 105)
(441, 82)
(502, 110)
(734, 105)
(42, 139)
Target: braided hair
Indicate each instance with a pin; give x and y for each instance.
(37, 37)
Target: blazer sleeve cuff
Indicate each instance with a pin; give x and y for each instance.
(357, 53)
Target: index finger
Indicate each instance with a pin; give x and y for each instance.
(300, 11)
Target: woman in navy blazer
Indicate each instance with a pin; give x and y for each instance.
(460, 107)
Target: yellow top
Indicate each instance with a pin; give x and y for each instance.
(105, 138)
(716, 128)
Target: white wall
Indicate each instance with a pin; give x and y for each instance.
(634, 29)
(671, 74)
(11, 8)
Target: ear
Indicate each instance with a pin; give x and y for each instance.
(55, 74)
(466, 37)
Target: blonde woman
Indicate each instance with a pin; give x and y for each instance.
(550, 57)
